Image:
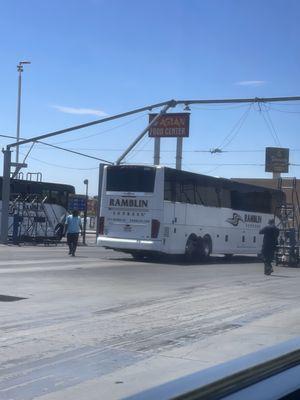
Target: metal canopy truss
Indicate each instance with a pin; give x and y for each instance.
(288, 249)
(31, 221)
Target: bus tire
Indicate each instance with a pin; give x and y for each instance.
(205, 247)
(138, 256)
(191, 248)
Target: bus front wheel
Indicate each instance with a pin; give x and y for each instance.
(205, 247)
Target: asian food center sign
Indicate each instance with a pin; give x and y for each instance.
(170, 125)
(277, 159)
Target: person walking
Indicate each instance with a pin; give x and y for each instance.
(271, 233)
(73, 227)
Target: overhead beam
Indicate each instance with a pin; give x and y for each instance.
(251, 100)
(76, 127)
(150, 107)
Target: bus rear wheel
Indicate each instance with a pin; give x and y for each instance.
(138, 256)
(191, 248)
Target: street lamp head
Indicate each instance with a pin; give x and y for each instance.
(86, 181)
(20, 65)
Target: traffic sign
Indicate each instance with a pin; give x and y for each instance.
(77, 203)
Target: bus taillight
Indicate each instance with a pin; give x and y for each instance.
(155, 224)
(101, 225)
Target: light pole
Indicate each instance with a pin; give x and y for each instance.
(20, 70)
(86, 182)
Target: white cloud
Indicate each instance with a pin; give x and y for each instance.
(251, 83)
(80, 111)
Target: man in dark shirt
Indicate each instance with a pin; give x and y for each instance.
(271, 234)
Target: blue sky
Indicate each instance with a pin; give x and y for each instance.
(101, 57)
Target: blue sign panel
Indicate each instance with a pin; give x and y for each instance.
(77, 203)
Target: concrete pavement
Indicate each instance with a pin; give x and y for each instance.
(102, 326)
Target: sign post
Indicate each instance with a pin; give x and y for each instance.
(156, 151)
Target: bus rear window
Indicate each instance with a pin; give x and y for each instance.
(130, 179)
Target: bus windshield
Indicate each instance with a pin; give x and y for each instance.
(130, 179)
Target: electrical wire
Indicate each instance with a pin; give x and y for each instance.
(142, 146)
(270, 127)
(211, 170)
(105, 131)
(290, 103)
(235, 129)
(62, 166)
(63, 149)
(216, 164)
(284, 111)
(166, 151)
(217, 109)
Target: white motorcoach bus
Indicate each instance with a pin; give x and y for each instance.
(159, 210)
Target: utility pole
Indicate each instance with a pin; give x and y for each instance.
(5, 194)
(86, 182)
(20, 70)
(100, 184)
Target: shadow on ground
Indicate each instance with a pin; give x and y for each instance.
(179, 260)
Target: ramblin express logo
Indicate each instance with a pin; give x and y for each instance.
(248, 218)
(132, 203)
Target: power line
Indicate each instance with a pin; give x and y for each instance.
(142, 146)
(284, 111)
(62, 166)
(105, 131)
(214, 164)
(235, 129)
(63, 149)
(218, 108)
(270, 128)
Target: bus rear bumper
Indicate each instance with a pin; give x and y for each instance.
(129, 244)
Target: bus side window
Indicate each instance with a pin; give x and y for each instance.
(253, 201)
(188, 192)
(64, 199)
(55, 197)
(172, 190)
(177, 192)
(209, 196)
(198, 195)
(225, 198)
(168, 191)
